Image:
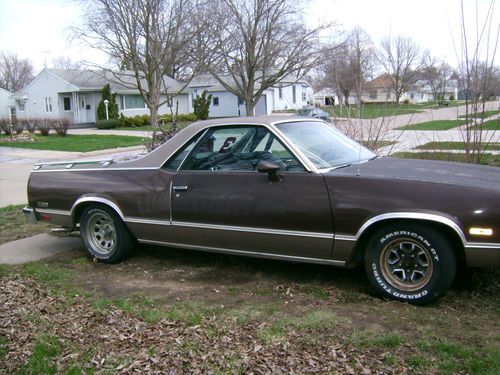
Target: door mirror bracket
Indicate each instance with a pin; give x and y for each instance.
(271, 168)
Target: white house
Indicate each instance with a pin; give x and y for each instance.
(75, 94)
(6, 104)
(287, 94)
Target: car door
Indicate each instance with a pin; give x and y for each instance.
(219, 201)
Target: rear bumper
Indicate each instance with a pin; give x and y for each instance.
(484, 255)
(30, 215)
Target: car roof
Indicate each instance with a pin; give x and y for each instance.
(157, 157)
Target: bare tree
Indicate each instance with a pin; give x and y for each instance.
(400, 59)
(149, 38)
(437, 73)
(15, 73)
(349, 65)
(476, 71)
(250, 45)
(63, 62)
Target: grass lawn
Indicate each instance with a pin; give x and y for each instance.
(180, 125)
(375, 110)
(375, 145)
(453, 146)
(434, 125)
(13, 225)
(486, 159)
(76, 143)
(491, 125)
(481, 114)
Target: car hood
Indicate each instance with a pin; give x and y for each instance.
(462, 174)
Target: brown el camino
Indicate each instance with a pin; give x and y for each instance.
(283, 188)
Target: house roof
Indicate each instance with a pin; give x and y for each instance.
(5, 91)
(209, 82)
(118, 81)
(86, 80)
(381, 82)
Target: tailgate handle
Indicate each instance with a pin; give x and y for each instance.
(180, 188)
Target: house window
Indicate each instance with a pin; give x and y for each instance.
(280, 92)
(215, 101)
(294, 94)
(304, 96)
(240, 101)
(373, 94)
(48, 104)
(67, 103)
(21, 105)
(133, 102)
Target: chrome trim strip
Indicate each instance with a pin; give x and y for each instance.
(246, 253)
(138, 220)
(412, 215)
(345, 237)
(53, 212)
(170, 199)
(482, 245)
(93, 169)
(98, 200)
(253, 230)
(65, 162)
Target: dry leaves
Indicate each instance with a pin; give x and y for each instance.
(123, 343)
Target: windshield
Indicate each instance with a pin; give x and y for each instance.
(323, 145)
(304, 112)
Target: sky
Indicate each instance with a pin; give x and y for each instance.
(39, 29)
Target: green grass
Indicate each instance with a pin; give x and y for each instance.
(434, 125)
(367, 339)
(375, 145)
(458, 358)
(486, 159)
(369, 111)
(483, 115)
(77, 143)
(491, 125)
(454, 146)
(14, 227)
(41, 359)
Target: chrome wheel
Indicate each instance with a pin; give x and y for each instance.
(406, 264)
(101, 233)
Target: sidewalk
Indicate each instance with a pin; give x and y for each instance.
(35, 248)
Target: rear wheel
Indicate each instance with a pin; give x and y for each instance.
(104, 235)
(410, 262)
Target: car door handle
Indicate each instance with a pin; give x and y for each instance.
(180, 188)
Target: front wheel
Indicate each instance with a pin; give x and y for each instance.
(104, 235)
(410, 263)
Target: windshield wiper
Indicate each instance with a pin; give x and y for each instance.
(341, 166)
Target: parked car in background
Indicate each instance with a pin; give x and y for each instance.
(283, 188)
(314, 112)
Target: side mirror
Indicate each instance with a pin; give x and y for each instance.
(269, 167)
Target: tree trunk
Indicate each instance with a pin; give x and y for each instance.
(249, 108)
(154, 117)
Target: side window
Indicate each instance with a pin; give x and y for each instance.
(175, 162)
(239, 149)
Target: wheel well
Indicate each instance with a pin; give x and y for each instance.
(449, 233)
(82, 206)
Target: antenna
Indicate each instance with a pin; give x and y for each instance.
(358, 172)
(45, 53)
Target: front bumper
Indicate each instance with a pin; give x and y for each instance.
(30, 215)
